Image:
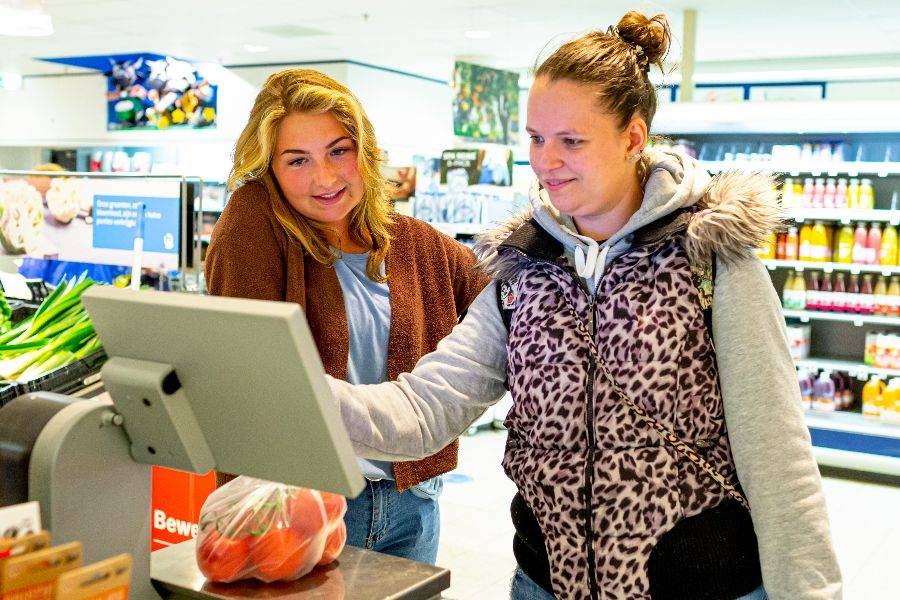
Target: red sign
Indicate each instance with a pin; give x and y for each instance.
(175, 507)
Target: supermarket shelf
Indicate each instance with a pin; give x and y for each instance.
(828, 267)
(859, 320)
(455, 229)
(850, 441)
(832, 169)
(844, 215)
(854, 368)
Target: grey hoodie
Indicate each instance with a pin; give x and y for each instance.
(422, 411)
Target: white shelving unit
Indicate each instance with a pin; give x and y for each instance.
(829, 267)
(832, 169)
(854, 368)
(842, 439)
(858, 320)
(844, 216)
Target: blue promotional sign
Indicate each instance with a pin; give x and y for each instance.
(119, 219)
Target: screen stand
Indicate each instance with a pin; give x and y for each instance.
(157, 415)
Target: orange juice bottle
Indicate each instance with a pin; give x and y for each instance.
(889, 246)
(890, 402)
(792, 244)
(805, 242)
(829, 243)
(766, 250)
(818, 243)
(844, 245)
(871, 397)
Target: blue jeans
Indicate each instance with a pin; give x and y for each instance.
(523, 588)
(384, 520)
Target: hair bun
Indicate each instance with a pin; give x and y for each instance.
(651, 35)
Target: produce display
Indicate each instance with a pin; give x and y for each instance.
(66, 197)
(57, 334)
(268, 531)
(21, 216)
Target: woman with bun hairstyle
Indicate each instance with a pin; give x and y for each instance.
(656, 438)
(309, 221)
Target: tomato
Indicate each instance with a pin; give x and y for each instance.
(305, 513)
(279, 553)
(335, 506)
(222, 558)
(334, 544)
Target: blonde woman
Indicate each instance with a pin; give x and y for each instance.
(309, 221)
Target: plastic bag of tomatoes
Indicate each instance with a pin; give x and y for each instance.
(270, 531)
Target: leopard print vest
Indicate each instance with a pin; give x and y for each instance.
(603, 485)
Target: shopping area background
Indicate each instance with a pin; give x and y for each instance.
(825, 117)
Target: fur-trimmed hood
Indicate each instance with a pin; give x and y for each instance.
(733, 212)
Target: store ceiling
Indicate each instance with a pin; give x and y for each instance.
(425, 36)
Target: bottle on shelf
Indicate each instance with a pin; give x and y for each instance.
(894, 297)
(826, 295)
(799, 295)
(792, 244)
(798, 193)
(873, 245)
(871, 397)
(839, 301)
(888, 250)
(780, 240)
(818, 243)
(769, 248)
(844, 246)
(881, 303)
(828, 200)
(808, 192)
(860, 241)
(871, 348)
(807, 383)
(866, 195)
(853, 298)
(818, 199)
(787, 193)
(787, 294)
(840, 194)
(812, 291)
(890, 402)
(853, 193)
(824, 392)
(866, 295)
(804, 240)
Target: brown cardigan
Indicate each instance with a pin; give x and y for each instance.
(431, 277)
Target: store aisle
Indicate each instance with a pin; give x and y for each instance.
(476, 536)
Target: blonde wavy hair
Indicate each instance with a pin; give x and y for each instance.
(307, 91)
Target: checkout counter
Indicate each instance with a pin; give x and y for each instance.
(194, 383)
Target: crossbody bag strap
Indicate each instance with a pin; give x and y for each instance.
(676, 442)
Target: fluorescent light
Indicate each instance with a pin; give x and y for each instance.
(477, 34)
(10, 81)
(254, 48)
(24, 18)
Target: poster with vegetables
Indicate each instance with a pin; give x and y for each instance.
(94, 221)
(485, 103)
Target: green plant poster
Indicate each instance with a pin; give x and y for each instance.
(485, 104)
